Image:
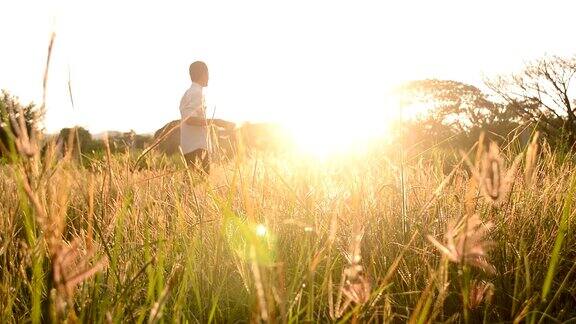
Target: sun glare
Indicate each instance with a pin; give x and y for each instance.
(261, 230)
(337, 136)
(330, 131)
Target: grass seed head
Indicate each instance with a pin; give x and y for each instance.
(465, 243)
(495, 180)
(531, 155)
(70, 267)
(480, 291)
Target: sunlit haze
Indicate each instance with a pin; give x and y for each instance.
(317, 67)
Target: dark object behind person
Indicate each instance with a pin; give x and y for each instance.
(199, 161)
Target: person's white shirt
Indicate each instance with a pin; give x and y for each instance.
(192, 104)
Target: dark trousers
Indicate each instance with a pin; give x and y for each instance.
(199, 160)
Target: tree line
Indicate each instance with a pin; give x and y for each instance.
(540, 97)
(17, 119)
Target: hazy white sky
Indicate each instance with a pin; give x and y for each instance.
(298, 62)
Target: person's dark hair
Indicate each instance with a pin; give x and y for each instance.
(197, 70)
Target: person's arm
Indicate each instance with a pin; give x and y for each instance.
(199, 121)
(196, 121)
(191, 106)
(223, 123)
(191, 111)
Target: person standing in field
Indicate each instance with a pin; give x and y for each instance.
(194, 134)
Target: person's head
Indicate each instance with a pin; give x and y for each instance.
(199, 73)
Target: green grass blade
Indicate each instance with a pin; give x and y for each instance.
(562, 231)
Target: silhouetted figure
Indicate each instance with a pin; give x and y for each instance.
(194, 138)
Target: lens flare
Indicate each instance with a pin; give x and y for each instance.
(261, 230)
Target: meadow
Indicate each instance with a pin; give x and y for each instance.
(384, 236)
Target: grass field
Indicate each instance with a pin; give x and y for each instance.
(430, 237)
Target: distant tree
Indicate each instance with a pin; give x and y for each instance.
(263, 137)
(168, 137)
(11, 113)
(75, 137)
(454, 103)
(141, 140)
(455, 110)
(422, 133)
(121, 141)
(543, 93)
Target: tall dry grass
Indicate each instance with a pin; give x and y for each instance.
(288, 239)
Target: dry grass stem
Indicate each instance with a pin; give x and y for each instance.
(465, 243)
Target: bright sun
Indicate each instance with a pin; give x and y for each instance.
(337, 136)
(325, 133)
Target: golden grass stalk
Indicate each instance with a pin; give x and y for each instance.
(531, 156)
(480, 291)
(48, 195)
(355, 284)
(494, 179)
(465, 243)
